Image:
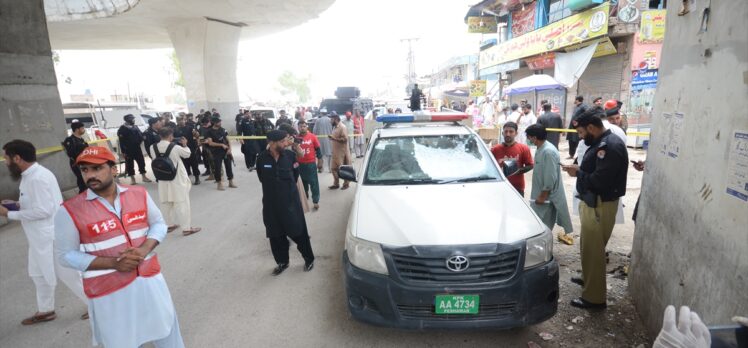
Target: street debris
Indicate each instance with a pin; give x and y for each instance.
(532, 344)
(546, 336)
(577, 320)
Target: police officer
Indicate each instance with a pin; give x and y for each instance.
(282, 211)
(601, 181)
(263, 126)
(220, 149)
(130, 139)
(204, 130)
(74, 145)
(246, 127)
(150, 136)
(187, 130)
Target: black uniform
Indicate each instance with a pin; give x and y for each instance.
(190, 163)
(220, 156)
(249, 148)
(73, 147)
(150, 137)
(130, 139)
(603, 170)
(572, 137)
(206, 153)
(415, 99)
(282, 121)
(282, 211)
(263, 126)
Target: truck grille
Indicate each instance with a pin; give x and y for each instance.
(483, 268)
(485, 311)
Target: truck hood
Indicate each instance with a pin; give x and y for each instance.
(450, 214)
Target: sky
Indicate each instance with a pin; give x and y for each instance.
(353, 43)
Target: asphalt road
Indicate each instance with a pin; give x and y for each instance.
(222, 288)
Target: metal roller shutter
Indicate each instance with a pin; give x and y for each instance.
(602, 78)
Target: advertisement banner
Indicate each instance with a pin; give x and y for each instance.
(482, 25)
(652, 29)
(566, 32)
(604, 47)
(523, 21)
(545, 61)
(643, 79)
(645, 55)
(477, 88)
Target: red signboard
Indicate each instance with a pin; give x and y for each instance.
(523, 21)
(545, 61)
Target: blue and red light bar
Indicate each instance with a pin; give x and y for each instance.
(423, 117)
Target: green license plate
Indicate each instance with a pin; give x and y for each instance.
(457, 304)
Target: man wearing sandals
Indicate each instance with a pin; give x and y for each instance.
(39, 199)
(341, 153)
(109, 233)
(175, 194)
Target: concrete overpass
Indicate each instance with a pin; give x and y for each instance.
(204, 33)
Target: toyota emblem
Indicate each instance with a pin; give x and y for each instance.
(457, 263)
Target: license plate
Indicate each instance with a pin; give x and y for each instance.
(457, 304)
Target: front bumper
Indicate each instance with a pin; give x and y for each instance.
(529, 297)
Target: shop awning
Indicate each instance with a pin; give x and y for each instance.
(533, 83)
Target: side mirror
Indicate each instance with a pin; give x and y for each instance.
(347, 173)
(510, 167)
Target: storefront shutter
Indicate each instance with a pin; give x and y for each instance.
(602, 78)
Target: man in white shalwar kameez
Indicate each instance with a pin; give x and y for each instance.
(39, 199)
(174, 195)
(140, 310)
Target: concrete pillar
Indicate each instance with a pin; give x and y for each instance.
(691, 241)
(30, 107)
(207, 52)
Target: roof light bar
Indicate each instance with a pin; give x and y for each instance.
(422, 117)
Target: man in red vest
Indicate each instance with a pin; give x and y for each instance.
(109, 233)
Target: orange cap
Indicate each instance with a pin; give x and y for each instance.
(610, 104)
(95, 155)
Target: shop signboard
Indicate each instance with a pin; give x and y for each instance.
(477, 88)
(482, 25)
(543, 61)
(569, 31)
(642, 79)
(523, 21)
(652, 29)
(604, 47)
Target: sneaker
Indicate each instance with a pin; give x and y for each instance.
(145, 178)
(210, 178)
(308, 266)
(316, 206)
(279, 269)
(132, 181)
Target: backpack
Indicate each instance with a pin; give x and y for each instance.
(162, 166)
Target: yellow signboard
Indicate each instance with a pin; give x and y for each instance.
(477, 88)
(482, 25)
(566, 32)
(604, 47)
(652, 29)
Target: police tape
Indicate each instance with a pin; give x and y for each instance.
(563, 130)
(52, 149)
(255, 137)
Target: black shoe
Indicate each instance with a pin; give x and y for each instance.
(308, 266)
(577, 280)
(584, 304)
(281, 267)
(197, 180)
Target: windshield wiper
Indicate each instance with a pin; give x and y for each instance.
(407, 182)
(470, 179)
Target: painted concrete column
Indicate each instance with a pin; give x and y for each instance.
(30, 107)
(207, 53)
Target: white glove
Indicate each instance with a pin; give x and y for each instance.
(690, 333)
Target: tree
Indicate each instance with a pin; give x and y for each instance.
(179, 79)
(290, 83)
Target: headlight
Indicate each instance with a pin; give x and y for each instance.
(365, 255)
(539, 249)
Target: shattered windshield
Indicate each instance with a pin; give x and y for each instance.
(434, 159)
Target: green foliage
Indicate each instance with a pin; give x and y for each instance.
(179, 81)
(290, 83)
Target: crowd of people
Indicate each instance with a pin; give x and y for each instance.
(600, 165)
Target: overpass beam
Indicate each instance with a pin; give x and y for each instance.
(30, 107)
(207, 53)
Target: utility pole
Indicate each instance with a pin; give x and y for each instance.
(411, 62)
